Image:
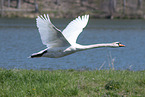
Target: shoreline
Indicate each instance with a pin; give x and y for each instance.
(58, 15)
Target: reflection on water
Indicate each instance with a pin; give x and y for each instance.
(19, 38)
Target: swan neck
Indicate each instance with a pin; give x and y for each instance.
(83, 47)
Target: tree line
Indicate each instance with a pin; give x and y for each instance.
(111, 6)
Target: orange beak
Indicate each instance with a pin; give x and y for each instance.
(121, 45)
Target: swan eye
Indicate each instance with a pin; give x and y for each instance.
(118, 43)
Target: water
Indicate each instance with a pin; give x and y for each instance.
(19, 38)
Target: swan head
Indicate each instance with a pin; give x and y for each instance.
(118, 44)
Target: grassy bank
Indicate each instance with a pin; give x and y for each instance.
(36, 83)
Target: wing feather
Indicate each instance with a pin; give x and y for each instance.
(50, 35)
(74, 28)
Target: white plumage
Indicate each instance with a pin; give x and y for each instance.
(74, 28)
(50, 35)
(63, 43)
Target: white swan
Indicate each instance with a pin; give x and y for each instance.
(63, 43)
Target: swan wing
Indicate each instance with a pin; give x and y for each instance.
(74, 28)
(50, 35)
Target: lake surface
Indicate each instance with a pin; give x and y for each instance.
(19, 38)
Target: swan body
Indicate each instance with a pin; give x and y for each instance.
(63, 43)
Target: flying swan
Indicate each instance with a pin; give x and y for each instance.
(62, 43)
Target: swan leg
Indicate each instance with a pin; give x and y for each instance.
(37, 55)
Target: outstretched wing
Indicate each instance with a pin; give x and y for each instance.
(50, 35)
(74, 28)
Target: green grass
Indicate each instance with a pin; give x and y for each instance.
(66, 83)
